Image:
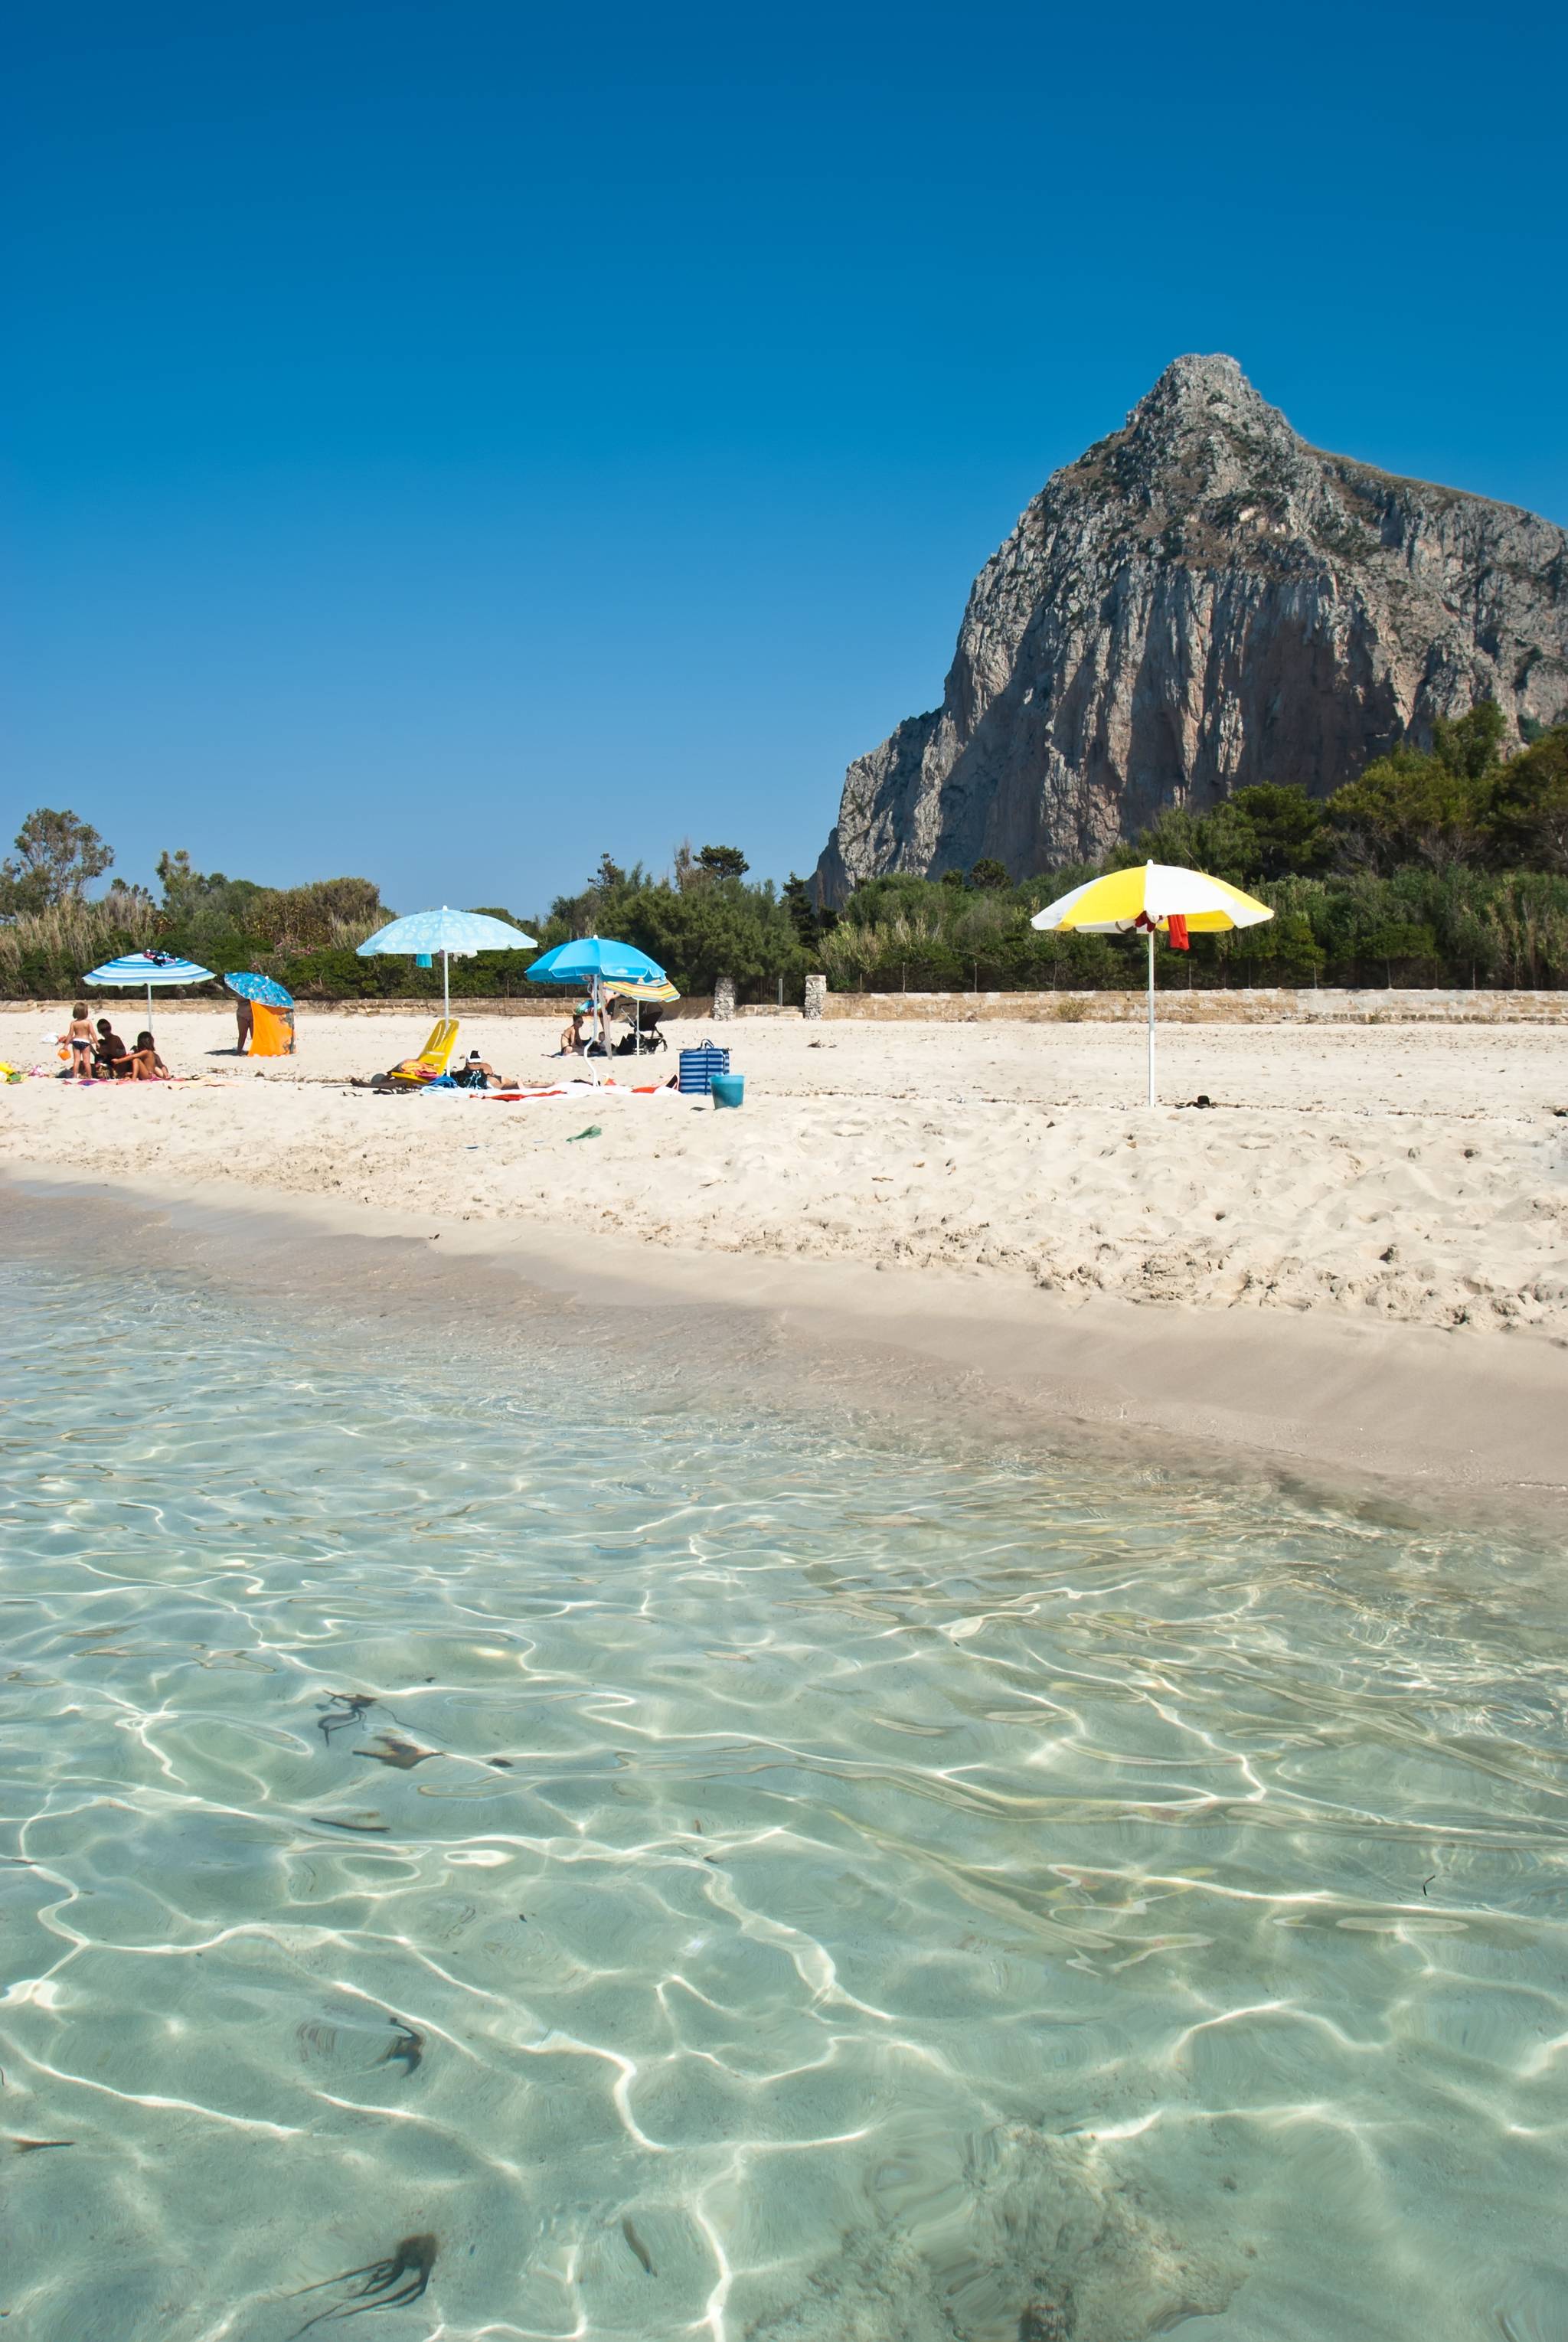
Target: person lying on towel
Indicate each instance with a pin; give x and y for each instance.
(476, 1073)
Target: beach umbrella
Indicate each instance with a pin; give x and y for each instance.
(271, 994)
(636, 994)
(1146, 899)
(662, 991)
(135, 971)
(455, 935)
(596, 961)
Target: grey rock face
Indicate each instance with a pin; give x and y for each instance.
(1200, 602)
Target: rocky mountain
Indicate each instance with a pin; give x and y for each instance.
(1200, 602)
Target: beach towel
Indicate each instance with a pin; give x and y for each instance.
(1176, 928)
(579, 1090)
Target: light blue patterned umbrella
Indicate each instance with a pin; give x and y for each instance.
(264, 988)
(134, 970)
(455, 935)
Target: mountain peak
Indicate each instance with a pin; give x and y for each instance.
(1201, 601)
(1210, 399)
(1198, 445)
(1199, 381)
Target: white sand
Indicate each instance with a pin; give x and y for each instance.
(1399, 1174)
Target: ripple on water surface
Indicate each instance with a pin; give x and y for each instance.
(531, 1868)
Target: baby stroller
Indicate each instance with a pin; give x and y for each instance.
(649, 1038)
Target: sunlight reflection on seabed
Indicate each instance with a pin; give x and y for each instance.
(727, 1877)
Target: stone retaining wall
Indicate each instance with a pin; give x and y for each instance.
(1177, 1006)
(1180, 1006)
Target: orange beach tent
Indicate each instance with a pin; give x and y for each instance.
(271, 1031)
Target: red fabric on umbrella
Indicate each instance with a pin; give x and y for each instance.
(1176, 927)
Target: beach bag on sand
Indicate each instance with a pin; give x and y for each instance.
(699, 1065)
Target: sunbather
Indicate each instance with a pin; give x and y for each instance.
(572, 1042)
(476, 1073)
(144, 1062)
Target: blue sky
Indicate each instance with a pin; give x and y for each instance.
(446, 442)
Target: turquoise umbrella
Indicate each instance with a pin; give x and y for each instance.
(595, 958)
(455, 935)
(596, 961)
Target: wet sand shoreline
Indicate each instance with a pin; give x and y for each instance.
(1452, 1423)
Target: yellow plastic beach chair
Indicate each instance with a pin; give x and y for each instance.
(433, 1059)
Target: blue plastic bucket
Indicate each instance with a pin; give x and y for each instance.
(728, 1090)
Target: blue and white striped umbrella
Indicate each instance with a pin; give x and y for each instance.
(455, 935)
(141, 970)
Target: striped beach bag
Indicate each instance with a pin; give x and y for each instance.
(698, 1068)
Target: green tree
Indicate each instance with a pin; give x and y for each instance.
(205, 897)
(1529, 810)
(1408, 945)
(809, 920)
(1407, 807)
(176, 876)
(723, 861)
(328, 911)
(990, 876)
(56, 859)
(1288, 835)
(1267, 830)
(1467, 745)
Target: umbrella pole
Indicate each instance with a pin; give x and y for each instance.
(1151, 1016)
(445, 988)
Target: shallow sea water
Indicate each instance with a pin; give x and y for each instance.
(483, 1851)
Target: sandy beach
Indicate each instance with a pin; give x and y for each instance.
(1399, 1174)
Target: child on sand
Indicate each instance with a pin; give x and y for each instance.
(145, 1063)
(142, 1064)
(79, 1035)
(110, 1060)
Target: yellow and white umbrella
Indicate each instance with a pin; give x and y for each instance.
(1149, 898)
(637, 993)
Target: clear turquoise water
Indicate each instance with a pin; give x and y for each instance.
(826, 1891)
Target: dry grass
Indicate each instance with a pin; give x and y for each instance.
(78, 935)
